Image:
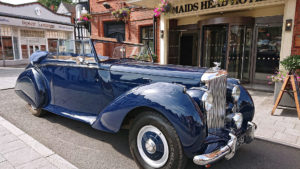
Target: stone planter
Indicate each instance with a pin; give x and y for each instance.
(287, 99)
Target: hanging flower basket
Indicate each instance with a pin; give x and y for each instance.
(163, 8)
(122, 14)
(84, 19)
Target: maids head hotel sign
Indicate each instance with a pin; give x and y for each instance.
(210, 4)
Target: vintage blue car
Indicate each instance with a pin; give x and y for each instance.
(172, 112)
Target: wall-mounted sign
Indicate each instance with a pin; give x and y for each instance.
(209, 4)
(34, 24)
(37, 11)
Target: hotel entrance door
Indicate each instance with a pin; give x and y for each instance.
(229, 41)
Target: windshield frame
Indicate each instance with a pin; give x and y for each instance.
(110, 40)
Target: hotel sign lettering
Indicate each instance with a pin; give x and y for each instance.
(209, 4)
(34, 24)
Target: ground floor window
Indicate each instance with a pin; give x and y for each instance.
(146, 36)
(115, 30)
(6, 48)
(52, 45)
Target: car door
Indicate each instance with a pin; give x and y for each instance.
(77, 86)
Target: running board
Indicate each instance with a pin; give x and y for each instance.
(83, 117)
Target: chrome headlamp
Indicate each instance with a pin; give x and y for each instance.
(238, 120)
(207, 99)
(236, 92)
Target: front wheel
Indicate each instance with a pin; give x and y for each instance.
(154, 142)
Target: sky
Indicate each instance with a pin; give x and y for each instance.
(17, 1)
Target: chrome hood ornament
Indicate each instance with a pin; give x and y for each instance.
(217, 66)
(213, 72)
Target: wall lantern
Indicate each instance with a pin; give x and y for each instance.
(84, 11)
(162, 34)
(288, 24)
(106, 5)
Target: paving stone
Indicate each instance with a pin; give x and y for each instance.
(6, 165)
(40, 148)
(21, 156)
(285, 137)
(26, 138)
(48, 167)
(11, 146)
(266, 133)
(2, 158)
(298, 142)
(271, 127)
(7, 138)
(3, 130)
(294, 132)
(297, 127)
(38, 163)
(285, 124)
(10, 127)
(60, 162)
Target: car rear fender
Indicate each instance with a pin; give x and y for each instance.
(33, 87)
(168, 99)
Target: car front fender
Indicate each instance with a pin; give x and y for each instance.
(168, 99)
(32, 87)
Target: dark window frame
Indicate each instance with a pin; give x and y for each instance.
(148, 40)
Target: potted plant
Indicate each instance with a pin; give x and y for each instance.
(163, 8)
(122, 14)
(292, 66)
(291, 63)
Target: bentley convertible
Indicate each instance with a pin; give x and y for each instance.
(173, 112)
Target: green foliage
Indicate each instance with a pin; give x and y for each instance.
(56, 3)
(291, 63)
(147, 57)
(122, 14)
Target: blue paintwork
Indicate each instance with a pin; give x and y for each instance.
(103, 93)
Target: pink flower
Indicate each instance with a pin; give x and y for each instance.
(85, 18)
(268, 77)
(269, 83)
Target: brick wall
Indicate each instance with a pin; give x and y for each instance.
(296, 34)
(139, 17)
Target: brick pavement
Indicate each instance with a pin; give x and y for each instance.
(283, 127)
(20, 151)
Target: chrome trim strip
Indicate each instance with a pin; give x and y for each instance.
(205, 159)
(69, 65)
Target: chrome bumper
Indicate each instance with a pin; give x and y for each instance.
(227, 151)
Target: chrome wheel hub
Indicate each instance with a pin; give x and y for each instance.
(153, 146)
(150, 146)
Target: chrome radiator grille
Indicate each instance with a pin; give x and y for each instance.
(216, 116)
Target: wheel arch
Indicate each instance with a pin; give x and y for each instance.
(169, 100)
(33, 87)
(131, 115)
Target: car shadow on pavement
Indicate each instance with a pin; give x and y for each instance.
(259, 154)
(119, 141)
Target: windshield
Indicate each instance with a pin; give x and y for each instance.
(115, 50)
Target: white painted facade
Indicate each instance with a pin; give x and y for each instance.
(29, 27)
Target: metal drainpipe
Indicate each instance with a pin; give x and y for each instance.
(154, 33)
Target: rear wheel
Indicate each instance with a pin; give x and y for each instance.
(36, 112)
(154, 143)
